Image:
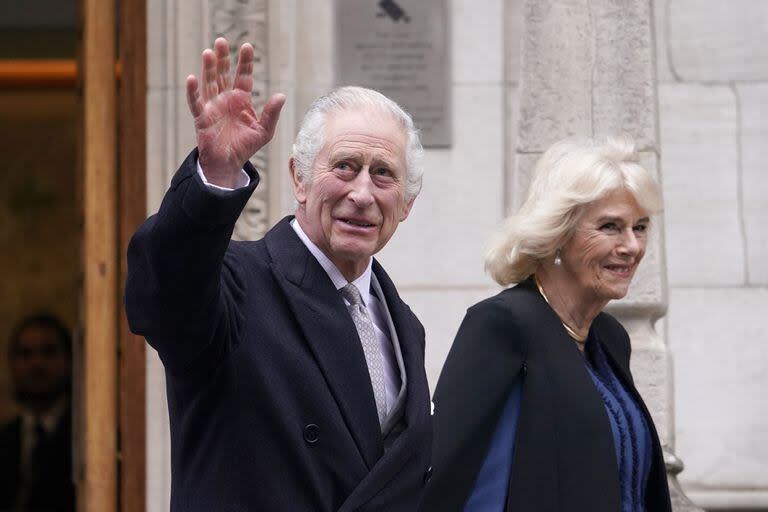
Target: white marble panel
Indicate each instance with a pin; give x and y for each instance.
(558, 58)
(476, 38)
(753, 100)
(623, 88)
(182, 126)
(513, 39)
(664, 71)
(511, 121)
(719, 41)
(699, 156)
(157, 47)
(315, 44)
(157, 173)
(721, 374)
(441, 311)
(158, 437)
(188, 38)
(443, 240)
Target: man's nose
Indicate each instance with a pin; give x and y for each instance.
(362, 189)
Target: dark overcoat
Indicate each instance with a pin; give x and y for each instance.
(271, 405)
(564, 458)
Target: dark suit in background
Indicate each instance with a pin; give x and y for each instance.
(270, 401)
(51, 488)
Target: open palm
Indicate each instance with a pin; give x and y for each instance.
(228, 130)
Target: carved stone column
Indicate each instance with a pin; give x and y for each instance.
(177, 33)
(588, 69)
(241, 21)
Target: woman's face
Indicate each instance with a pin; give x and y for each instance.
(607, 246)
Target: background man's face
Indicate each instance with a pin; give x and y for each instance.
(40, 366)
(355, 197)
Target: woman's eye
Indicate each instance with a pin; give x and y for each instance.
(609, 226)
(641, 228)
(381, 171)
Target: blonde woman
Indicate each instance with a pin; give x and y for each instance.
(536, 409)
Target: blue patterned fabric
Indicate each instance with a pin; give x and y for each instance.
(631, 437)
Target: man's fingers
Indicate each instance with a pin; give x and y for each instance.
(271, 113)
(209, 86)
(193, 97)
(223, 80)
(244, 72)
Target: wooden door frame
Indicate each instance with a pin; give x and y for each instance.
(110, 394)
(111, 439)
(132, 212)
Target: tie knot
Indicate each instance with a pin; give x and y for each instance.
(352, 294)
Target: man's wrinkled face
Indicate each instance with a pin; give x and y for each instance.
(355, 198)
(40, 366)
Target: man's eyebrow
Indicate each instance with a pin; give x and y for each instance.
(346, 155)
(356, 156)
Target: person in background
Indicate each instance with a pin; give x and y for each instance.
(535, 408)
(36, 446)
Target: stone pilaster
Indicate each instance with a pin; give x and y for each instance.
(588, 69)
(178, 31)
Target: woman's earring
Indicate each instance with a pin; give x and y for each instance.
(558, 260)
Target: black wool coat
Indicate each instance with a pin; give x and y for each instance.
(564, 458)
(270, 401)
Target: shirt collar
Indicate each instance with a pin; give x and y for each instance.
(362, 283)
(49, 420)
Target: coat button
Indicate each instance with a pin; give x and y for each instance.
(428, 474)
(311, 433)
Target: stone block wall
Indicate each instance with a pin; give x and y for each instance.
(712, 67)
(713, 115)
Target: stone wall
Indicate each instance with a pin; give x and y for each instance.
(713, 103)
(712, 73)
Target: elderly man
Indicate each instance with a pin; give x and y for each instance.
(295, 372)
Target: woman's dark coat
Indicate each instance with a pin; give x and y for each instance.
(564, 459)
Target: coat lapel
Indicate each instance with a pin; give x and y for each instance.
(330, 334)
(416, 410)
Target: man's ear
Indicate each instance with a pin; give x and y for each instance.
(299, 186)
(406, 209)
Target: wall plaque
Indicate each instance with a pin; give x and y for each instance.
(399, 47)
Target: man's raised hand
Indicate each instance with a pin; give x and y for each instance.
(228, 130)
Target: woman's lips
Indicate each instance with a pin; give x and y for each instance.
(620, 270)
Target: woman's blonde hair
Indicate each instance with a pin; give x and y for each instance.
(569, 176)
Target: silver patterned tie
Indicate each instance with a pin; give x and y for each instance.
(370, 347)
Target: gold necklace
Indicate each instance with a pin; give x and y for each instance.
(580, 340)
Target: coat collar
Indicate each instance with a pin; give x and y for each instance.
(331, 335)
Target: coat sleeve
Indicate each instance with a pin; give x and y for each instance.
(183, 284)
(486, 360)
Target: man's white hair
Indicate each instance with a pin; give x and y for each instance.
(568, 177)
(310, 138)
